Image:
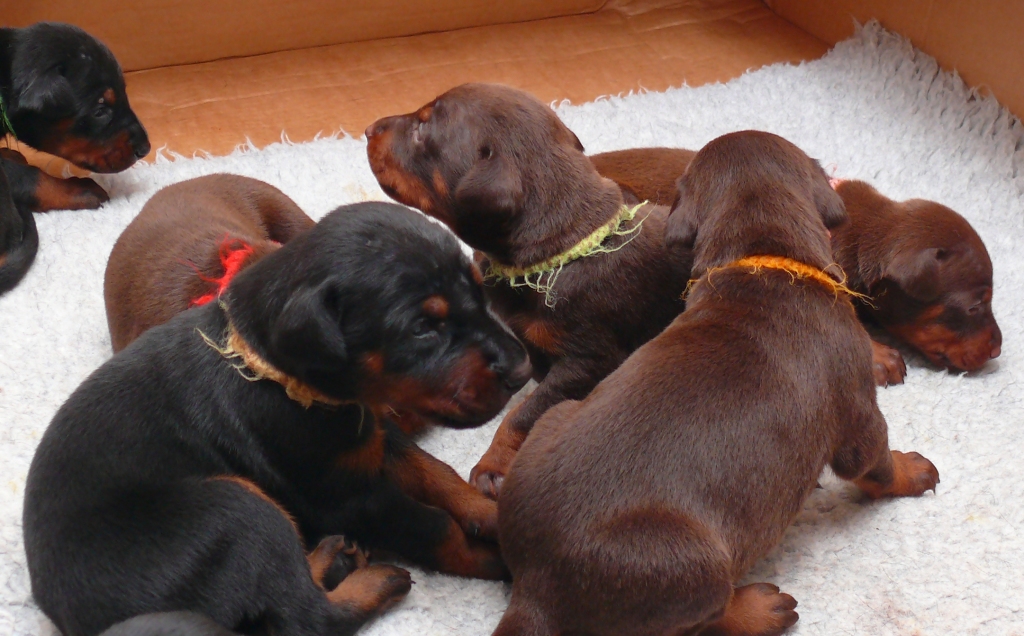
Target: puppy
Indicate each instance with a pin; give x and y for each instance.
(924, 269)
(62, 92)
(637, 510)
(187, 473)
(582, 278)
(19, 239)
(185, 245)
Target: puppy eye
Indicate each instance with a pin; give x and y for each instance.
(974, 309)
(423, 329)
(486, 152)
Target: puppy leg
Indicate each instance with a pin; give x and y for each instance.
(39, 192)
(759, 609)
(568, 379)
(388, 519)
(866, 460)
(429, 480)
(523, 619)
(888, 364)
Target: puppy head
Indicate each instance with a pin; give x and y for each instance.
(935, 287)
(491, 162)
(380, 305)
(752, 193)
(68, 99)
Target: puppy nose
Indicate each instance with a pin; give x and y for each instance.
(997, 341)
(519, 376)
(375, 129)
(140, 142)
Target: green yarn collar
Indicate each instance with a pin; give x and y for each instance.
(5, 124)
(541, 277)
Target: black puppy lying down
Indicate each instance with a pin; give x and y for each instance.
(189, 470)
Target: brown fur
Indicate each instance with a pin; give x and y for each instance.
(890, 250)
(511, 180)
(158, 265)
(687, 464)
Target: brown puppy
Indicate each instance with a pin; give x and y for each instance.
(511, 180)
(186, 244)
(926, 270)
(637, 510)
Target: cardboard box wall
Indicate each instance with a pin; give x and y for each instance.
(210, 75)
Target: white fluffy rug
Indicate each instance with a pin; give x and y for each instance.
(952, 563)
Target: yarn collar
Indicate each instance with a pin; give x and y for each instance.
(794, 268)
(541, 277)
(5, 124)
(253, 367)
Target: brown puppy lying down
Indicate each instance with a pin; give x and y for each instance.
(637, 510)
(924, 267)
(506, 175)
(186, 244)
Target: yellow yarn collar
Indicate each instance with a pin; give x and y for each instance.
(541, 276)
(251, 366)
(794, 268)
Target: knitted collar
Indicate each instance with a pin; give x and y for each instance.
(541, 276)
(794, 268)
(251, 366)
(5, 124)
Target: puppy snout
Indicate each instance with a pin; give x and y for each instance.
(378, 127)
(519, 376)
(996, 343)
(140, 142)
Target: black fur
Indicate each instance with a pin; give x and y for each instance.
(19, 239)
(121, 515)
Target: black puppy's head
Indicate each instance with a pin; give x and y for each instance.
(753, 193)
(380, 305)
(67, 97)
(493, 163)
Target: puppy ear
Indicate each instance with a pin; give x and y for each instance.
(917, 272)
(491, 185)
(309, 328)
(830, 205)
(681, 227)
(45, 92)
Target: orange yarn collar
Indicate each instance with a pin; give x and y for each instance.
(794, 268)
(233, 254)
(251, 366)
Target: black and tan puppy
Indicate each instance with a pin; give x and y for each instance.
(925, 271)
(582, 278)
(19, 239)
(187, 472)
(63, 93)
(186, 244)
(637, 510)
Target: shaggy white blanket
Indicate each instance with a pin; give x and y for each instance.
(949, 563)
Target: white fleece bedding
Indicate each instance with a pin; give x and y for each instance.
(876, 109)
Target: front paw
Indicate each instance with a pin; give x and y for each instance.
(480, 520)
(915, 474)
(85, 194)
(489, 473)
(887, 364)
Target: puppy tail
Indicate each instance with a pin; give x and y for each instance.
(15, 263)
(168, 624)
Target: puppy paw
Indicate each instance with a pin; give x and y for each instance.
(888, 365)
(75, 193)
(915, 475)
(489, 473)
(759, 609)
(480, 518)
(372, 590)
(85, 194)
(334, 559)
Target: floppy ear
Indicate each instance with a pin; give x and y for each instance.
(830, 205)
(43, 92)
(917, 272)
(681, 227)
(309, 328)
(491, 185)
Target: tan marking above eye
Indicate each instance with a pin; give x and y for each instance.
(109, 96)
(476, 274)
(436, 307)
(424, 113)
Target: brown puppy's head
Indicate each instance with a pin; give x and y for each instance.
(933, 288)
(495, 165)
(753, 193)
(379, 305)
(67, 97)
